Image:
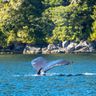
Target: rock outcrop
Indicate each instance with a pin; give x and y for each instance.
(31, 50)
(67, 47)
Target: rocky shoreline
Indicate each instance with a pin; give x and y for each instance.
(64, 47)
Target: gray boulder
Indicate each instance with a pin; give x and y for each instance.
(84, 46)
(55, 51)
(91, 48)
(83, 49)
(65, 44)
(81, 45)
(32, 50)
(61, 50)
(71, 47)
(51, 47)
(44, 50)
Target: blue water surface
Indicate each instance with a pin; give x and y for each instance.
(18, 78)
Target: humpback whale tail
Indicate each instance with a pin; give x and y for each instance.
(42, 65)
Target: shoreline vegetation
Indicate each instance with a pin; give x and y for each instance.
(63, 47)
(47, 26)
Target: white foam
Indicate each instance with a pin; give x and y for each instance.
(86, 73)
(56, 74)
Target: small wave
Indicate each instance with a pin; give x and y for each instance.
(71, 74)
(56, 74)
(26, 75)
(88, 73)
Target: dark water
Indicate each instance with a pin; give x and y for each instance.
(17, 77)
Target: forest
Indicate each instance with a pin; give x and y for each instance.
(47, 21)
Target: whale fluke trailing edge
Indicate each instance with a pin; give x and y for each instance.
(41, 65)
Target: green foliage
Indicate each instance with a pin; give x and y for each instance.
(68, 21)
(40, 21)
(52, 2)
(20, 21)
(93, 34)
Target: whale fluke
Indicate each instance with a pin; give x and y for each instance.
(42, 65)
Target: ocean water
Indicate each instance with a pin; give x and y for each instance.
(18, 78)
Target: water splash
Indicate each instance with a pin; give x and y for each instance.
(56, 74)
